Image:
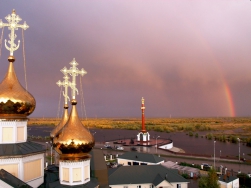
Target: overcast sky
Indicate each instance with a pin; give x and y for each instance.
(186, 58)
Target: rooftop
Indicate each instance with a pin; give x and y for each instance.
(153, 174)
(144, 157)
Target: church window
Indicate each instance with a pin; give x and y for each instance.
(7, 134)
(65, 174)
(20, 134)
(32, 170)
(77, 174)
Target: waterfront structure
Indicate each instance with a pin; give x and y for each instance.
(145, 176)
(136, 158)
(143, 136)
(17, 155)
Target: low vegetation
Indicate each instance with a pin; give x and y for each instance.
(221, 129)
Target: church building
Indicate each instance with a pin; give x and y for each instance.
(17, 155)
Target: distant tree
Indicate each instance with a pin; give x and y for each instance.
(211, 181)
(249, 142)
(185, 175)
(233, 139)
(209, 136)
(190, 133)
(244, 180)
(196, 135)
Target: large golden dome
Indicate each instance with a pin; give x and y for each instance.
(61, 123)
(15, 101)
(73, 141)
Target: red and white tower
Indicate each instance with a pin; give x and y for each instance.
(143, 130)
(143, 136)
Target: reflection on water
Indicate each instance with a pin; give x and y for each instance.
(193, 145)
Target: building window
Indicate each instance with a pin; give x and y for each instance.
(11, 168)
(178, 185)
(7, 134)
(139, 186)
(20, 134)
(135, 163)
(77, 174)
(87, 173)
(65, 174)
(125, 186)
(36, 171)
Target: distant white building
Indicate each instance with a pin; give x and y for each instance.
(135, 158)
(229, 181)
(192, 172)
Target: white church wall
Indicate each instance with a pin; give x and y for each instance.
(74, 173)
(13, 131)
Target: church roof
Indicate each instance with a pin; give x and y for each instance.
(144, 157)
(139, 174)
(12, 180)
(17, 149)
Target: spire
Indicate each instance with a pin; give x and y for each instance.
(13, 25)
(73, 141)
(66, 83)
(74, 72)
(15, 101)
(143, 115)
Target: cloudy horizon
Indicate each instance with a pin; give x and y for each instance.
(186, 58)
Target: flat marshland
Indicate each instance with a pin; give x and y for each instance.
(237, 126)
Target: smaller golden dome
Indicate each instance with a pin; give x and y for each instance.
(73, 141)
(61, 123)
(15, 101)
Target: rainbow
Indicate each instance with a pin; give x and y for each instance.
(206, 45)
(229, 99)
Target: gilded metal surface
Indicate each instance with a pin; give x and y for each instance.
(13, 25)
(15, 101)
(61, 124)
(73, 141)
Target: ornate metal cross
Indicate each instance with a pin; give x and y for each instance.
(74, 72)
(66, 83)
(13, 25)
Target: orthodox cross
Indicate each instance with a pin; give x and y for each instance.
(74, 72)
(66, 83)
(13, 25)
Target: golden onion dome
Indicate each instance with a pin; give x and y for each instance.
(73, 141)
(61, 123)
(15, 101)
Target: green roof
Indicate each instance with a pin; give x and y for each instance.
(227, 179)
(140, 174)
(12, 180)
(144, 157)
(17, 149)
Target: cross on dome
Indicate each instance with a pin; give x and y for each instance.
(74, 72)
(66, 83)
(13, 25)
